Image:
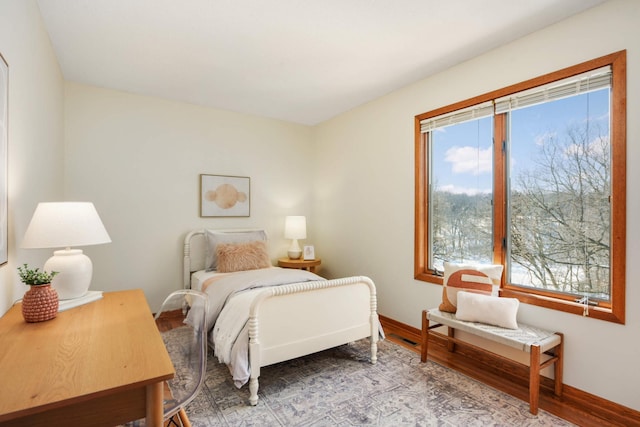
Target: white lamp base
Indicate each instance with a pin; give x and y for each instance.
(74, 273)
(294, 251)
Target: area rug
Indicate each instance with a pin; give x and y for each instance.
(340, 387)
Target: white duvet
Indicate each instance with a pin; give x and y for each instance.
(230, 298)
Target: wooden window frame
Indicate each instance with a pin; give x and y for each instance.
(613, 310)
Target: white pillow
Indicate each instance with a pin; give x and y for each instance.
(215, 237)
(488, 309)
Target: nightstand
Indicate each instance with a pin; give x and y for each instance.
(302, 264)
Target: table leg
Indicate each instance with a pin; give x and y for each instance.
(155, 395)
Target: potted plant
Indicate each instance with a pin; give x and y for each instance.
(40, 302)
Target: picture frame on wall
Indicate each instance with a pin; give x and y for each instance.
(225, 196)
(309, 253)
(4, 176)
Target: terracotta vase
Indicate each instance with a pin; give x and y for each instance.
(40, 303)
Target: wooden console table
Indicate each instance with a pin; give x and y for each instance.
(100, 364)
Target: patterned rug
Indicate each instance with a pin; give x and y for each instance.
(340, 387)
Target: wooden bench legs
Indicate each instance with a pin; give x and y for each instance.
(424, 347)
(535, 364)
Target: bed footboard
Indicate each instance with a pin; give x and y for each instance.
(291, 321)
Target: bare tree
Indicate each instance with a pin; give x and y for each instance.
(462, 230)
(560, 215)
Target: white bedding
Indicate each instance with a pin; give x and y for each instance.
(199, 277)
(230, 298)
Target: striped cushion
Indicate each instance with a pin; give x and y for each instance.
(480, 278)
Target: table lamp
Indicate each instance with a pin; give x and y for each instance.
(62, 225)
(295, 227)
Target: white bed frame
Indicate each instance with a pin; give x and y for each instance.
(294, 320)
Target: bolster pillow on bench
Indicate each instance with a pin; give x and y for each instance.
(492, 310)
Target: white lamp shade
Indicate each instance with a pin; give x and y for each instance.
(295, 227)
(65, 224)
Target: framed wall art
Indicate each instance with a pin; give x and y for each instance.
(309, 253)
(222, 195)
(4, 142)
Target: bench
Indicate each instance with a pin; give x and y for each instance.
(527, 338)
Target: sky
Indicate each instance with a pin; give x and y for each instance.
(462, 153)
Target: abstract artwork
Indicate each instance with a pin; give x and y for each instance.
(222, 195)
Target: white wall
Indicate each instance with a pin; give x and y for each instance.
(138, 159)
(35, 132)
(364, 200)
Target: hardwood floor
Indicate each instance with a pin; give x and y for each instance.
(170, 320)
(575, 406)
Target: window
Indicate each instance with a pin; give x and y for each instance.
(533, 177)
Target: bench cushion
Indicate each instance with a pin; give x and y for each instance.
(522, 338)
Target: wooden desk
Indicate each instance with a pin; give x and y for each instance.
(100, 364)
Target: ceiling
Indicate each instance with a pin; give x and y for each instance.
(301, 61)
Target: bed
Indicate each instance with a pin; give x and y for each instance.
(260, 314)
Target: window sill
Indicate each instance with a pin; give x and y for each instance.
(601, 313)
(429, 277)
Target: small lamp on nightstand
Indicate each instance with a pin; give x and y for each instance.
(62, 225)
(295, 227)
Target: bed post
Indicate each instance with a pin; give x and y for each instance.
(187, 267)
(375, 324)
(254, 356)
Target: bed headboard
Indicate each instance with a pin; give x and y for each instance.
(195, 250)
